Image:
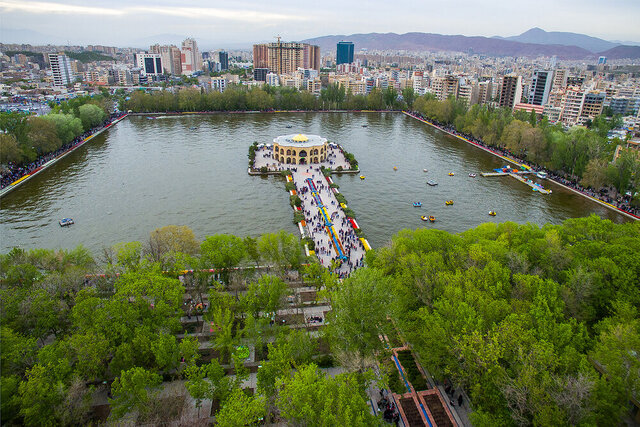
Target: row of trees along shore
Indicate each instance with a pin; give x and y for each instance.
(25, 138)
(266, 98)
(581, 154)
(539, 325)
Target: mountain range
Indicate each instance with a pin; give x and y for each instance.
(532, 43)
(539, 36)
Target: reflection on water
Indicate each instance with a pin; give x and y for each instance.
(145, 174)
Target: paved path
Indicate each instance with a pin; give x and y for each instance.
(315, 227)
(315, 220)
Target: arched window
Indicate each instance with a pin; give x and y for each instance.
(303, 153)
(288, 153)
(282, 151)
(293, 152)
(288, 160)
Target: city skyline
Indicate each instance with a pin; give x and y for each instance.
(119, 23)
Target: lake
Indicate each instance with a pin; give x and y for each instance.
(192, 170)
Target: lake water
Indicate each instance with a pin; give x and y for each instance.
(192, 170)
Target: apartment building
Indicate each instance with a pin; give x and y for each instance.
(61, 69)
(511, 91)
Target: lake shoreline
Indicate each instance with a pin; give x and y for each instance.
(488, 150)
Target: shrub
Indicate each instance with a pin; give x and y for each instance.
(289, 186)
(339, 169)
(349, 213)
(310, 243)
(334, 185)
(264, 169)
(297, 217)
(285, 173)
(326, 171)
(294, 200)
(341, 199)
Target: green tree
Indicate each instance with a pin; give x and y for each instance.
(313, 399)
(91, 115)
(67, 126)
(9, 149)
(595, 174)
(266, 295)
(196, 384)
(134, 389)
(241, 410)
(42, 135)
(166, 352)
(359, 311)
(409, 96)
(389, 95)
(222, 251)
(40, 395)
(174, 238)
(251, 245)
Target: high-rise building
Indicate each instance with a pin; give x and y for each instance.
(602, 60)
(540, 87)
(224, 60)
(559, 79)
(61, 69)
(511, 91)
(171, 58)
(286, 58)
(260, 56)
(485, 91)
(572, 105)
(260, 74)
(344, 53)
(311, 57)
(272, 79)
(592, 105)
(190, 56)
(149, 63)
(444, 87)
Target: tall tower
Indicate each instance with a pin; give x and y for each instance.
(511, 91)
(344, 53)
(61, 69)
(540, 87)
(191, 58)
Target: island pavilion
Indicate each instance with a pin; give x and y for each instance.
(299, 149)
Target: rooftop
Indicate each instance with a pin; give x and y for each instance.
(299, 140)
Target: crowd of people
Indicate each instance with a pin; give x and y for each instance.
(622, 202)
(13, 172)
(388, 408)
(316, 223)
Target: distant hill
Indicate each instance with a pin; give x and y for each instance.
(457, 43)
(540, 36)
(22, 36)
(622, 52)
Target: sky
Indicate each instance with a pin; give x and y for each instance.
(239, 23)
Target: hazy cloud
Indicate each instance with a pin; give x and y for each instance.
(58, 8)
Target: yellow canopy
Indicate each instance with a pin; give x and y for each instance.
(300, 138)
